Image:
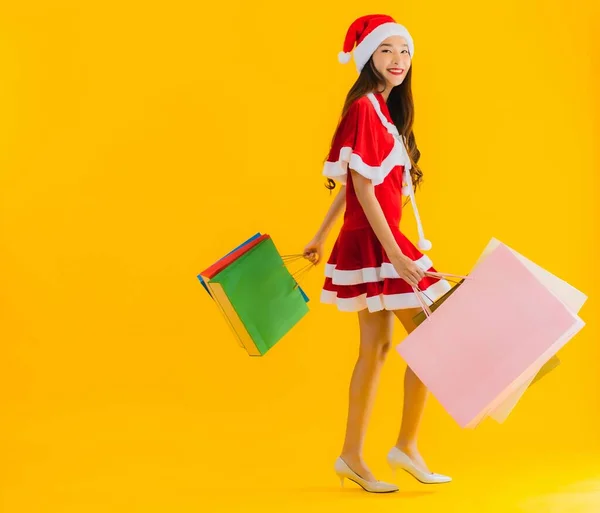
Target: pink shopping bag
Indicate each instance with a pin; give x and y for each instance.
(490, 338)
(574, 300)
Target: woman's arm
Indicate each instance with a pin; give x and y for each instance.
(365, 192)
(337, 207)
(314, 249)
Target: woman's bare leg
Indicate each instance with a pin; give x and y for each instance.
(415, 397)
(376, 331)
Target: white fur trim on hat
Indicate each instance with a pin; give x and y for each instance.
(363, 52)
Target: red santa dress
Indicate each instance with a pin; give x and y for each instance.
(358, 273)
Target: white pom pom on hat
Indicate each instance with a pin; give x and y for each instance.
(424, 245)
(367, 33)
(344, 57)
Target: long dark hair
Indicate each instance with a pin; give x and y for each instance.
(402, 110)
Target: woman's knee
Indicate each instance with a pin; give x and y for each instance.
(385, 348)
(376, 334)
(386, 343)
(377, 347)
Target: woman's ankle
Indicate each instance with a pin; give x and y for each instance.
(407, 446)
(350, 455)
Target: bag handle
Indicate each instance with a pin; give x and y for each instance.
(419, 293)
(446, 275)
(287, 259)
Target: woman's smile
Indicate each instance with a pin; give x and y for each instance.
(396, 71)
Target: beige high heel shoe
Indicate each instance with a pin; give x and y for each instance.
(400, 460)
(343, 471)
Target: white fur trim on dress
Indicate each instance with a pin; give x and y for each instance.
(398, 156)
(390, 127)
(367, 47)
(385, 301)
(339, 170)
(370, 274)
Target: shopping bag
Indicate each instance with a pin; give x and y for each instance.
(257, 294)
(494, 334)
(234, 254)
(421, 316)
(550, 365)
(219, 265)
(501, 412)
(254, 237)
(569, 295)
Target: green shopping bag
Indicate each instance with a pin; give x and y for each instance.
(259, 297)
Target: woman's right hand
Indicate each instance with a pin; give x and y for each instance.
(314, 250)
(407, 269)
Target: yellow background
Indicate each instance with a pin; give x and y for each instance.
(142, 141)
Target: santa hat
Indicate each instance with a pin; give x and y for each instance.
(367, 33)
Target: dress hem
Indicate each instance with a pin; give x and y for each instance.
(380, 302)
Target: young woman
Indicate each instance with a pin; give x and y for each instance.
(373, 268)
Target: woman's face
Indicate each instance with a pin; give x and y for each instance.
(392, 60)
